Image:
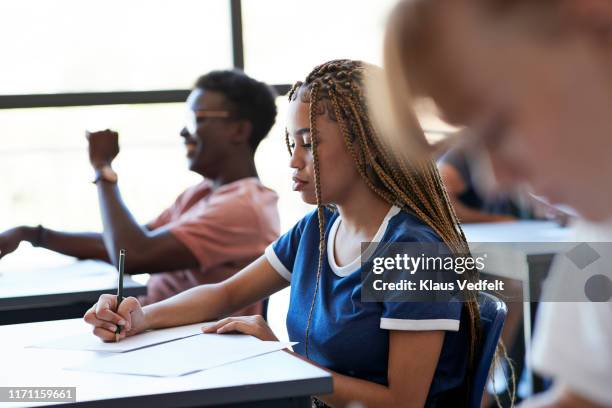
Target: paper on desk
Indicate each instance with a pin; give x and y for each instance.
(87, 341)
(184, 356)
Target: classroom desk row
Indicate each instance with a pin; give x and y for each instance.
(39, 285)
(59, 288)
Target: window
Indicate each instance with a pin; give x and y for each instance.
(46, 172)
(65, 46)
(308, 33)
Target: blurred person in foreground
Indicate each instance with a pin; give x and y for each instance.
(532, 81)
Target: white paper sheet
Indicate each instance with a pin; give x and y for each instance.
(183, 356)
(89, 342)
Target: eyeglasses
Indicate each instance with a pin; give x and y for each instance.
(198, 116)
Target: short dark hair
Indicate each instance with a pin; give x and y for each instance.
(254, 100)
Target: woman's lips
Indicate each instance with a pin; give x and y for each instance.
(298, 184)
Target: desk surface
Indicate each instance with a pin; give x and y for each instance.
(517, 231)
(528, 237)
(510, 247)
(271, 376)
(34, 277)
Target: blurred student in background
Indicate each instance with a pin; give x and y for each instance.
(532, 80)
(471, 193)
(214, 228)
(476, 197)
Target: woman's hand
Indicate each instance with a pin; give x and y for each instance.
(255, 326)
(130, 317)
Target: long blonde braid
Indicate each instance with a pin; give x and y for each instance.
(415, 186)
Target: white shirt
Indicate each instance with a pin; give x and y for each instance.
(573, 335)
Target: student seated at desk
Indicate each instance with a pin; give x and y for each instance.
(384, 354)
(214, 228)
(468, 190)
(476, 198)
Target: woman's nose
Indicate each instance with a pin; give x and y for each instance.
(296, 161)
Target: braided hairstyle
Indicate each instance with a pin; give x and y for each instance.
(336, 88)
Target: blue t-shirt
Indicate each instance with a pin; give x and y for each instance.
(350, 336)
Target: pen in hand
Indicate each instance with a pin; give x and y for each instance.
(120, 288)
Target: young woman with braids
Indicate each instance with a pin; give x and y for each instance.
(383, 354)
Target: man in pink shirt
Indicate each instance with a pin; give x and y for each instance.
(214, 228)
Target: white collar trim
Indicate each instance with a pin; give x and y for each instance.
(354, 265)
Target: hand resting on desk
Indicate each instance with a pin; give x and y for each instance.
(255, 326)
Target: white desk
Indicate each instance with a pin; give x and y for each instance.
(36, 285)
(516, 246)
(525, 251)
(517, 231)
(272, 380)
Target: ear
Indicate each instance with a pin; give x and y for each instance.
(242, 132)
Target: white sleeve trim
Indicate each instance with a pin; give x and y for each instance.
(276, 263)
(419, 325)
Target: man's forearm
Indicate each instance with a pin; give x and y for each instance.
(82, 245)
(147, 251)
(121, 231)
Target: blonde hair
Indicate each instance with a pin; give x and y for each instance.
(336, 88)
(410, 39)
